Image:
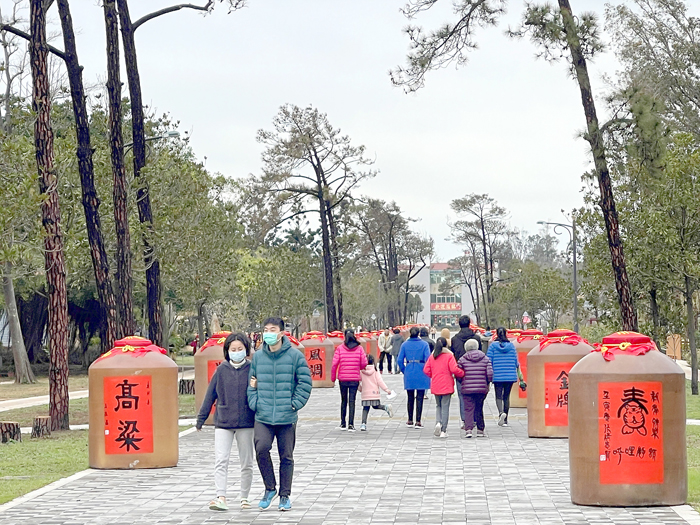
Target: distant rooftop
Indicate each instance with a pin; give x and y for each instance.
(438, 266)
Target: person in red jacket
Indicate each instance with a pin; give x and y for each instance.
(442, 369)
(349, 359)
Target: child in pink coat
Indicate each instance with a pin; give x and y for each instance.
(371, 386)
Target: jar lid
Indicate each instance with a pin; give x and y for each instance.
(630, 343)
(313, 335)
(529, 335)
(563, 336)
(134, 346)
(218, 339)
(292, 339)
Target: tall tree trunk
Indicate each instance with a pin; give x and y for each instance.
(690, 327)
(336, 263)
(328, 268)
(33, 318)
(607, 201)
(207, 323)
(143, 199)
(23, 370)
(471, 293)
(125, 302)
(91, 203)
(654, 307)
(486, 261)
(200, 325)
(51, 219)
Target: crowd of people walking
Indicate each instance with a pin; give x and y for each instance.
(256, 395)
(445, 367)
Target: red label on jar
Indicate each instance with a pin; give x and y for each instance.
(316, 358)
(522, 359)
(630, 433)
(556, 394)
(211, 368)
(128, 415)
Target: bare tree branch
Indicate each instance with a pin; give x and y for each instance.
(171, 9)
(22, 34)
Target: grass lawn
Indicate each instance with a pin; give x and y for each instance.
(34, 463)
(78, 412)
(184, 360)
(693, 440)
(41, 387)
(692, 403)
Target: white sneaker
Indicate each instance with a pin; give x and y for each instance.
(438, 429)
(390, 410)
(468, 434)
(443, 434)
(502, 419)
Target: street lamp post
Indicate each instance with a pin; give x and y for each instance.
(571, 230)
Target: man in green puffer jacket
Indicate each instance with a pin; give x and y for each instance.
(280, 386)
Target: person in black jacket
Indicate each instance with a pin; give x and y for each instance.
(457, 346)
(233, 418)
(425, 336)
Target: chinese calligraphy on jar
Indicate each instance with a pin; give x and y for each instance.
(630, 429)
(128, 415)
(556, 394)
(316, 359)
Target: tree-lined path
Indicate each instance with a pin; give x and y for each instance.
(390, 474)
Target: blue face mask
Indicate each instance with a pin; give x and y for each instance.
(270, 338)
(237, 357)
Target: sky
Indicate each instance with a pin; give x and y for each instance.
(505, 124)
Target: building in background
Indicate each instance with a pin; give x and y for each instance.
(445, 298)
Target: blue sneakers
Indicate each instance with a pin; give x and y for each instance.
(285, 503)
(267, 499)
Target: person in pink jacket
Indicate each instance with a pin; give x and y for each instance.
(371, 386)
(442, 368)
(349, 359)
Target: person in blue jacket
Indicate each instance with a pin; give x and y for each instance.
(412, 358)
(506, 370)
(280, 386)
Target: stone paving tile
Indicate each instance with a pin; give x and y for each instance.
(389, 475)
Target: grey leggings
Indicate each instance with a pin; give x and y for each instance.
(442, 407)
(223, 441)
(365, 411)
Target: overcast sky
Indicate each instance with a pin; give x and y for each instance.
(505, 124)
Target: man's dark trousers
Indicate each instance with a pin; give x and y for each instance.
(286, 439)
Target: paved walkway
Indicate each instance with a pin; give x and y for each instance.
(388, 475)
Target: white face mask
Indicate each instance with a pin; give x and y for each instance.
(236, 357)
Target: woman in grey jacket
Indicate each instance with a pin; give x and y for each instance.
(233, 418)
